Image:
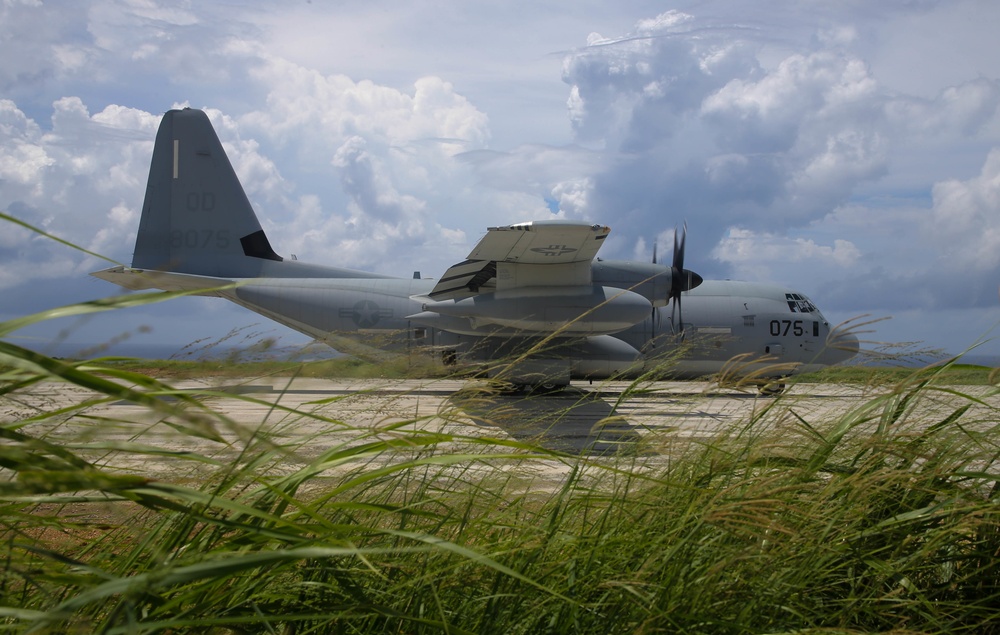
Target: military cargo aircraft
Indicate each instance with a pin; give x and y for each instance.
(530, 305)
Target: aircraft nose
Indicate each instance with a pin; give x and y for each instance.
(841, 345)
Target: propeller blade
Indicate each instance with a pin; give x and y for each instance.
(677, 317)
(677, 283)
(653, 316)
(678, 262)
(681, 280)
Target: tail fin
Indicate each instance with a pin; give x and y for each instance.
(196, 218)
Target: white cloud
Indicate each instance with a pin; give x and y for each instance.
(393, 154)
(306, 106)
(964, 109)
(966, 220)
(260, 177)
(372, 194)
(691, 120)
(761, 255)
(802, 86)
(572, 197)
(81, 180)
(22, 161)
(818, 113)
(33, 45)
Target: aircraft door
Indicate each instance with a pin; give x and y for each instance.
(813, 343)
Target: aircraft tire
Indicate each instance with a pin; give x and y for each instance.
(773, 389)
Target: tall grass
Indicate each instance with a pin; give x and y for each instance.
(883, 517)
(877, 518)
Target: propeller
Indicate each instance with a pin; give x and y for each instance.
(681, 279)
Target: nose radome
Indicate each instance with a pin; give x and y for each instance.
(841, 345)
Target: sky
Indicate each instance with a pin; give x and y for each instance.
(849, 150)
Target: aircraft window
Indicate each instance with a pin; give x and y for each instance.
(799, 303)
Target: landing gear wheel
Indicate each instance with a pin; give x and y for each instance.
(772, 389)
(505, 388)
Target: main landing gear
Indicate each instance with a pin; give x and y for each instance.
(773, 388)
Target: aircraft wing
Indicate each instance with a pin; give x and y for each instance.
(556, 242)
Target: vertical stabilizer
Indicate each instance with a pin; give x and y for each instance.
(196, 217)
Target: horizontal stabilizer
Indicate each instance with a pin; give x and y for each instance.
(142, 279)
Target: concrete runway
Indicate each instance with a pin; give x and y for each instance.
(316, 416)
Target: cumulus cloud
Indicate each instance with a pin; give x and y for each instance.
(62, 178)
(631, 91)
(549, 179)
(963, 109)
(305, 106)
(371, 194)
(769, 114)
(82, 180)
(693, 112)
(761, 255)
(33, 45)
(22, 157)
(378, 216)
(818, 114)
(382, 160)
(259, 175)
(966, 219)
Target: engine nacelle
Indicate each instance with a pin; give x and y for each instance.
(568, 311)
(650, 280)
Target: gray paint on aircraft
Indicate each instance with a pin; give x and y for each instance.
(523, 287)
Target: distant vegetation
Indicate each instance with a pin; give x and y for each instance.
(418, 368)
(955, 373)
(337, 367)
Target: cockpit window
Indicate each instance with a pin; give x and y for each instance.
(798, 303)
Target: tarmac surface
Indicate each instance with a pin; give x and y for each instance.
(322, 417)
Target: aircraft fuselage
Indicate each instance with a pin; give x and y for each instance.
(772, 327)
(531, 302)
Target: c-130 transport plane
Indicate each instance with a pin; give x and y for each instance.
(534, 292)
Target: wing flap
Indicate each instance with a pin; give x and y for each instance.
(541, 242)
(464, 279)
(534, 247)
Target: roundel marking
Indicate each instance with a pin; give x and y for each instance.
(366, 314)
